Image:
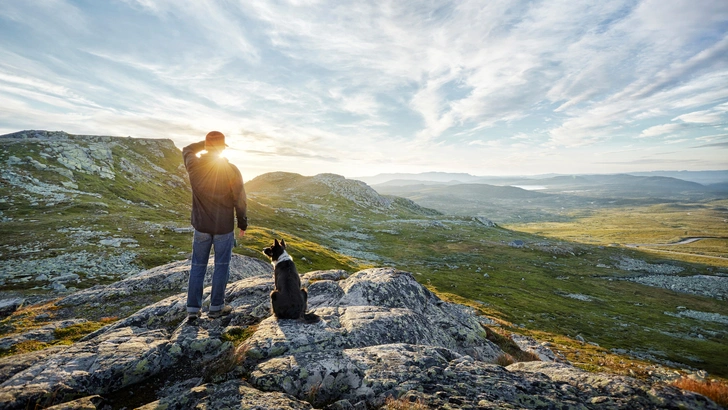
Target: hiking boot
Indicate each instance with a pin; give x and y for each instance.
(219, 313)
(192, 316)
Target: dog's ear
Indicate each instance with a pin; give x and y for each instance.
(283, 243)
(268, 251)
(275, 242)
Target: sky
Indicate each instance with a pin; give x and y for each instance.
(358, 88)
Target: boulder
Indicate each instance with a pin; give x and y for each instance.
(8, 306)
(381, 335)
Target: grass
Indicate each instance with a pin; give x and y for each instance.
(24, 320)
(653, 224)
(27, 318)
(404, 404)
(714, 390)
(238, 335)
(75, 332)
(513, 353)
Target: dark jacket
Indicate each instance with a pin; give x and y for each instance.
(217, 190)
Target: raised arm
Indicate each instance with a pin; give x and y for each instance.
(189, 153)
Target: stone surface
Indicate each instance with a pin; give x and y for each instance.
(43, 334)
(8, 306)
(381, 335)
(704, 285)
(636, 265)
(233, 394)
(170, 277)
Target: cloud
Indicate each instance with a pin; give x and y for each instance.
(292, 153)
(650, 161)
(714, 116)
(663, 129)
(714, 145)
(323, 80)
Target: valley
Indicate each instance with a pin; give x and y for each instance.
(534, 283)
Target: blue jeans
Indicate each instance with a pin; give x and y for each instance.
(201, 245)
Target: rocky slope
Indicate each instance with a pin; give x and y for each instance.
(382, 335)
(61, 198)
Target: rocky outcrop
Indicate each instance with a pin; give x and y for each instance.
(381, 335)
(636, 265)
(167, 278)
(704, 285)
(87, 208)
(354, 190)
(67, 270)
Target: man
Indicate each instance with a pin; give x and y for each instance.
(217, 192)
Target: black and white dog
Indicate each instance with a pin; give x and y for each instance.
(288, 299)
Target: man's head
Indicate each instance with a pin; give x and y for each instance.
(215, 141)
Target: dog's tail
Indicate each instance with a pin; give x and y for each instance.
(310, 318)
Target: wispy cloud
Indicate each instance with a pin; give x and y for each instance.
(714, 145)
(349, 87)
(661, 130)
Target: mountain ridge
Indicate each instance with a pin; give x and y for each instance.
(701, 177)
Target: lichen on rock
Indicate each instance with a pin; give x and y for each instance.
(381, 335)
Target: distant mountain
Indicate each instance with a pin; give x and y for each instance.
(446, 177)
(332, 191)
(701, 177)
(554, 197)
(623, 185)
(415, 182)
(664, 182)
(502, 204)
(597, 186)
(463, 191)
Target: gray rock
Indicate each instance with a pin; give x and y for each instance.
(381, 335)
(171, 277)
(58, 287)
(636, 265)
(698, 315)
(485, 221)
(704, 285)
(529, 344)
(232, 394)
(43, 334)
(603, 391)
(66, 278)
(8, 306)
(104, 364)
(84, 403)
(355, 191)
(11, 365)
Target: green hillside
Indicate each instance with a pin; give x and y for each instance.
(99, 208)
(540, 286)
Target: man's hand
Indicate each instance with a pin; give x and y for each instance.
(241, 234)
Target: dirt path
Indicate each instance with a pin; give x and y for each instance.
(684, 241)
(682, 253)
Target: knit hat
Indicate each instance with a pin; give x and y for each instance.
(215, 139)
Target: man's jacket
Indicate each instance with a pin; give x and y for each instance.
(217, 190)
